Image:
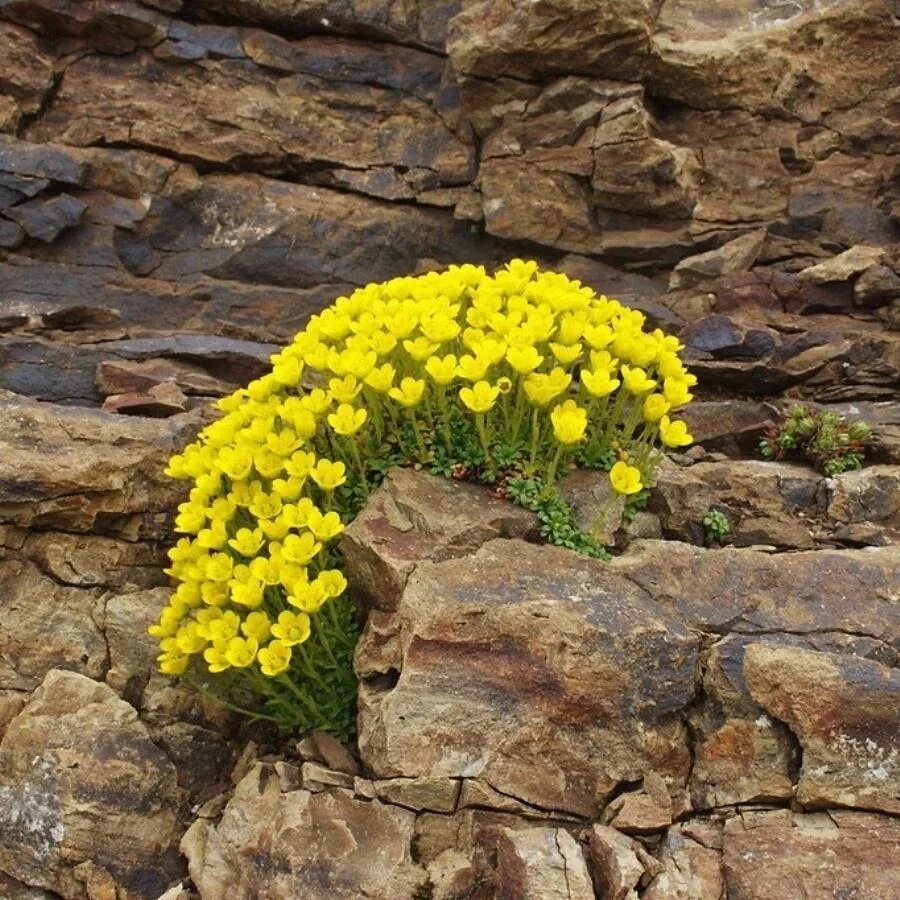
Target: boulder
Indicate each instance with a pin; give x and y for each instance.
(838, 854)
(616, 863)
(554, 681)
(414, 517)
(844, 712)
(688, 868)
(301, 844)
(734, 256)
(87, 797)
(538, 864)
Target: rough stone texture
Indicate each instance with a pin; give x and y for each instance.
(573, 681)
(299, 844)
(83, 784)
(844, 713)
(539, 864)
(835, 855)
(183, 185)
(414, 517)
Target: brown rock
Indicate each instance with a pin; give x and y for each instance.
(743, 590)
(512, 665)
(844, 266)
(691, 870)
(734, 256)
(126, 376)
(334, 753)
(81, 470)
(297, 119)
(434, 794)
(641, 812)
(45, 625)
(300, 844)
(615, 863)
(86, 795)
(598, 510)
(733, 427)
(414, 517)
(28, 75)
(833, 855)
(539, 864)
(844, 713)
(741, 754)
(866, 495)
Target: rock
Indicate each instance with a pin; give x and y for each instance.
(773, 532)
(844, 266)
(86, 795)
(749, 592)
(598, 510)
(45, 625)
(202, 758)
(11, 235)
(733, 427)
(299, 844)
(414, 517)
(734, 256)
(833, 855)
(160, 401)
(132, 652)
(741, 754)
(844, 713)
(558, 715)
(452, 876)
(641, 812)
(866, 495)
(40, 161)
(316, 778)
(876, 286)
(767, 502)
(691, 870)
(81, 470)
(334, 753)
(723, 338)
(47, 219)
(434, 794)
(296, 120)
(616, 863)
(124, 376)
(539, 864)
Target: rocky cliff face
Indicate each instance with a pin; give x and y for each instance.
(183, 183)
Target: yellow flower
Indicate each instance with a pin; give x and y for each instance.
(291, 628)
(173, 663)
(674, 434)
(655, 407)
(265, 506)
(256, 625)
(566, 354)
(381, 378)
(345, 389)
(598, 384)
(625, 479)
(675, 390)
(421, 348)
(480, 397)
(300, 548)
(569, 422)
(274, 658)
(542, 388)
(409, 394)
(523, 359)
(247, 541)
(636, 380)
(247, 593)
(333, 581)
(328, 475)
(346, 420)
(324, 527)
(441, 369)
(218, 567)
(284, 442)
(241, 652)
(308, 597)
(472, 368)
(215, 657)
(235, 462)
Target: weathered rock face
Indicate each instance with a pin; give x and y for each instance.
(86, 795)
(562, 666)
(300, 844)
(183, 185)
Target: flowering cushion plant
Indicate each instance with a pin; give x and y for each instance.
(506, 378)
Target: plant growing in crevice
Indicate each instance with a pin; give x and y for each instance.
(824, 438)
(716, 526)
(505, 379)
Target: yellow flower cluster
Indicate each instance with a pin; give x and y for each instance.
(523, 359)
